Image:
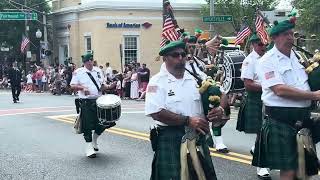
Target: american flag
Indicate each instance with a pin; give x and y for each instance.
(242, 35)
(169, 25)
(261, 31)
(24, 44)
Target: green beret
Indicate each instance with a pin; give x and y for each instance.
(87, 57)
(192, 39)
(224, 42)
(254, 38)
(171, 45)
(282, 26)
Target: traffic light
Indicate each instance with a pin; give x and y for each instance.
(42, 53)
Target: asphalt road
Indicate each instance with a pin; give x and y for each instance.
(37, 142)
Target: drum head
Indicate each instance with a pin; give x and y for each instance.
(108, 101)
(231, 67)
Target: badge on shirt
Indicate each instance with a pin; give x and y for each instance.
(171, 93)
(269, 75)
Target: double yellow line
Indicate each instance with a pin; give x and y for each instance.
(144, 136)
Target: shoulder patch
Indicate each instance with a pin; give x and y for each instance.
(152, 89)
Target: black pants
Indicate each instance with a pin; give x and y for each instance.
(127, 89)
(16, 89)
(90, 119)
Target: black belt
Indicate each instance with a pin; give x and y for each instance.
(288, 115)
(87, 100)
(169, 128)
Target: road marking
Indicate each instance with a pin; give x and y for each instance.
(13, 114)
(230, 158)
(21, 109)
(144, 136)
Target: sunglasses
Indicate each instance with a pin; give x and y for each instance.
(177, 54)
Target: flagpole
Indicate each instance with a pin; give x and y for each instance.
(211, 14)
(27, 35)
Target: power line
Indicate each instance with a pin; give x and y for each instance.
(9, 1)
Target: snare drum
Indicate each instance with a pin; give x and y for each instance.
(231, 67)
(108, 109)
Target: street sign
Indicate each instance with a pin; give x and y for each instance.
(18, 16)
(217, 19)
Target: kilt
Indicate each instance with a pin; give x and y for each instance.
(276, 147)
(250, 115)
(88, 114)
(166, 161)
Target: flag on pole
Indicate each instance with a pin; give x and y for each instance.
(242, 34)
(261, 31)
(170, 25)
(24, 43)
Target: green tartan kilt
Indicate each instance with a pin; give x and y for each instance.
(166, 160)
(276, 147)
(89, 114)
(250, 116)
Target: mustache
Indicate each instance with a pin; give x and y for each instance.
(180, 66)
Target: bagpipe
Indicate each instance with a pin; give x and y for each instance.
(309, 133)
(194, 155)
(210, 96)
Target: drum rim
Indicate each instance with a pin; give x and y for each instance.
(116, 104)
(227, 56)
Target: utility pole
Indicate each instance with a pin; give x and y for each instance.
(26, 61)
(45, 36)
(211, 14)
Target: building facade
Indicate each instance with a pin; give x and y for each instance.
(110, 29)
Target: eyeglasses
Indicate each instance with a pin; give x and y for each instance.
(178, 54)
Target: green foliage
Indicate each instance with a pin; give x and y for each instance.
(309, 16)
(238, 9)
(11, 31)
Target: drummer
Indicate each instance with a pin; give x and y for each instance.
(287, 98)
(85, 80)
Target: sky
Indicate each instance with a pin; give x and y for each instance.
(284, 4)
(173, 1)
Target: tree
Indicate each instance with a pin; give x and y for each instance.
(239, 9)
(309, 17)
(11, 32)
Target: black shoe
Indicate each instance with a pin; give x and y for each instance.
(267, 176)
(14, 101)
(224, 150)
(92, 156)
(17, 99)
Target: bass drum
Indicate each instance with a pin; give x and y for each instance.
(231, 69)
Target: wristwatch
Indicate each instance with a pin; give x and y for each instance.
(186, 120)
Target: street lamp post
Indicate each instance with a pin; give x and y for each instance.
(39, 36)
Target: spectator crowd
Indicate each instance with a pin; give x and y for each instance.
(130, 84)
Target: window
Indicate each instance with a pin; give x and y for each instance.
(87, 40)
(130, 49)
